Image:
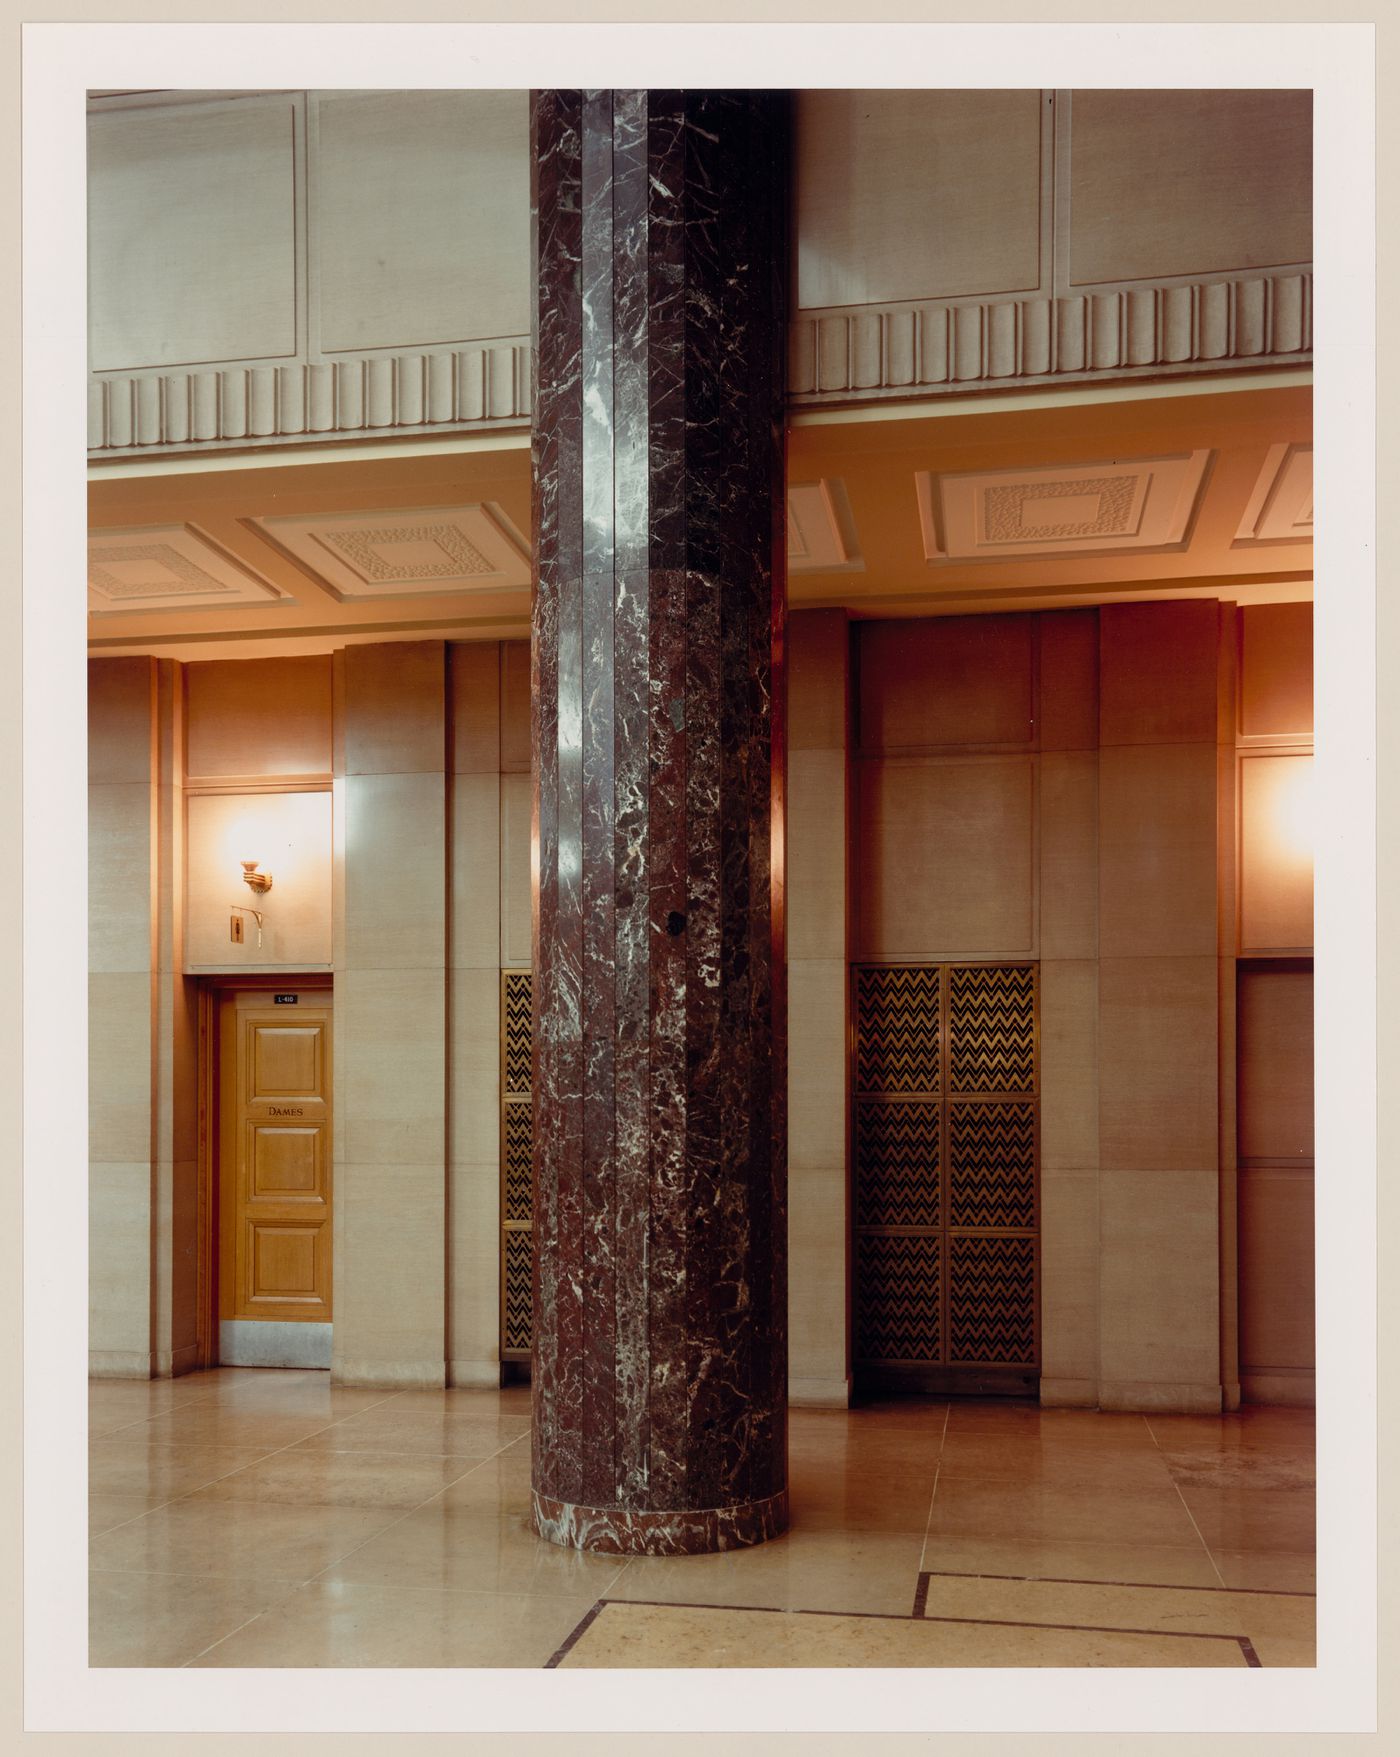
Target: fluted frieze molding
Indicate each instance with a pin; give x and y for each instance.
(365, 395)
(920, 350)
(925, 349)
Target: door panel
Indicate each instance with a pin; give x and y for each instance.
(1274, 1045)
(275, 1158)
(286, 1060)
(947, 1212)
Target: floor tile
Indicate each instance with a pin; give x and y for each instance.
(222, 1424)
(1241, 1430)
(1251, 1470)
(142, 1398)
(1266, 1571)
(119, 1466)
(317, 1398)
(1044, 1511)
(460, 1550)
(455, 1436)
(1094, 1427)
(347, 1623)
(1032, 1458)
(155, 1619)
(499, 1487)
(106, 1512)
(627, 1635)
(1253, 1519)
(239, 1538)
(863, 1499)
(370, 1527)
(870, 1571)
(1206, 1612)
(1054, 1559)
(299, 1478)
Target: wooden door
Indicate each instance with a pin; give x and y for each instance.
(275, 1156)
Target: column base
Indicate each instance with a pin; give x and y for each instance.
(690, 1531)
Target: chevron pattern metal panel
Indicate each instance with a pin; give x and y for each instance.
(947, 1210)
(517, 1170)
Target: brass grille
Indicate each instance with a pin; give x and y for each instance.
(991, 1027)
(897, 1040)
(897, 1150)
(517, 1168)
(898, 1314)
(946, 1122)
(515, 1328)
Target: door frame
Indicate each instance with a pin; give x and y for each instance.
(211, 990)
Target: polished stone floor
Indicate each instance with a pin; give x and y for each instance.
(248, 1517)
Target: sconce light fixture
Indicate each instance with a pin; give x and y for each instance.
(261, 882)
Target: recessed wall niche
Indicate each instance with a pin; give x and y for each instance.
(289, 835)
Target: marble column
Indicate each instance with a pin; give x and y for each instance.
(660, 1352)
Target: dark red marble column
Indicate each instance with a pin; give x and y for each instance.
(660, 1320)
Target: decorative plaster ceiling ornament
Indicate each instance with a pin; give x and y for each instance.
(1061, 509)
(407, 551)
(163, 567)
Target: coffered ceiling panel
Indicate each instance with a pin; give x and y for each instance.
(409, 552)
(820, 533)
(1077, 509)
(1018, 506)
(1280, 509)
(165, 567)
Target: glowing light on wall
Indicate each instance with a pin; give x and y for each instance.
(1276, 852)
(1293, 811)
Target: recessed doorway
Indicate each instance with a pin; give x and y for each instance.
(267, 1131)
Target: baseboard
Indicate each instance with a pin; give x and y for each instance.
(1294, 1390)
(474, 1375)
(819, 1393)
(253, 1343)
(1069, 1393)
(119, 1363)
(389, 1375)
(1146, 1396)
(1231, 1394)
(171, 1363)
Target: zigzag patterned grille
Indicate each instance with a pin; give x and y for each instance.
(897, 1299)
(517, 1162)
(991, 1028)
(991, 1301)
(897, 1030)
(517, 1290)
(991, 1165)
(896, 1164)
(517, 1030)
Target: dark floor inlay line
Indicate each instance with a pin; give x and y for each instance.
(584, 1624)
(1090, 1628)
(772, 1610)
(768, 1610)
(1137, 1585)
(921, 1593)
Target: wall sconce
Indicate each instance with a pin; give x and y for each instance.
(261, 882)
